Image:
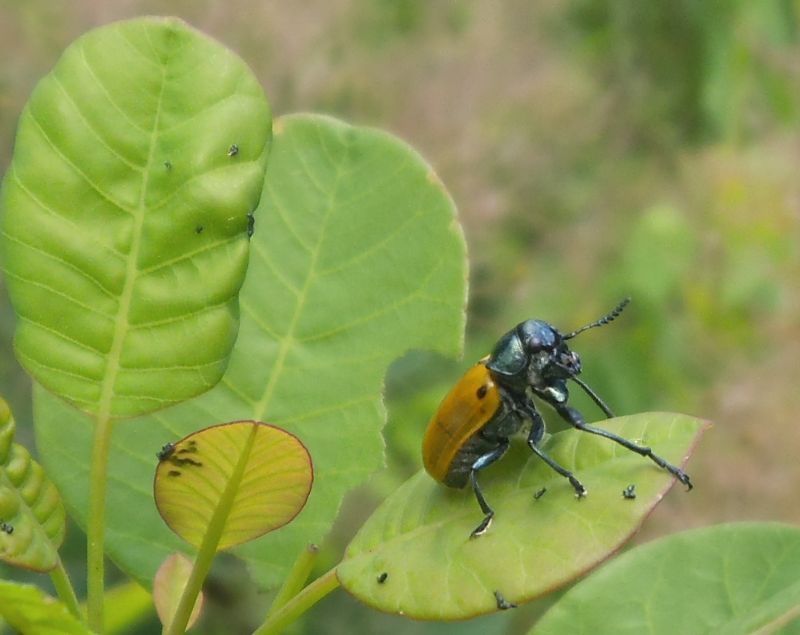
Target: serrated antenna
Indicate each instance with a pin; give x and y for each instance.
(610, 317)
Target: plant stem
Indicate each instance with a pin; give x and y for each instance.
(299, 604)
(296, 579)
(65, 591)
(202, 564)
(95, 531)
(210, 543)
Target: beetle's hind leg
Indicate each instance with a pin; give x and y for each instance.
(575, 418)
(482, 462)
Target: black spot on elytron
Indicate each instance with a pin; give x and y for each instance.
(174, 473)
(382, 577)
(482, 391)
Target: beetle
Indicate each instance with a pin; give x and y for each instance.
(494, 400)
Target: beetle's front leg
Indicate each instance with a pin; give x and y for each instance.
(527, 409)
(575, 418)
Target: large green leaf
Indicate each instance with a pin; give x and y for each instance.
(732, 579)
(357, 257)
(420, 535)
(124, 232)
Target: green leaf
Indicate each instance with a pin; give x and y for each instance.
(168, 585)
(729, 579)
(126, 605)
(28, 610)
(356, 258)
(247, 476)
(32, 517)
(420, 535)
(124, 233)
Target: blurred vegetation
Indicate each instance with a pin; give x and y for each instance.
(595, 149)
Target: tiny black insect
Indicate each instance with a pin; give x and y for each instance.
(629, 492)
(382, 577)
(166, 451)
(540, 493)
(233, 150)
(502, 603)
(251, 224)
(168, 165)
(6, 527)
(199, 229)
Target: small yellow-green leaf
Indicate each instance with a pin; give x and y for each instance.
(168, 585)
(246, 477)
(32, 517)
(28, 610)
(420, 536)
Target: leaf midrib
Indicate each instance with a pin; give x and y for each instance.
(121, 327)
(260, 407)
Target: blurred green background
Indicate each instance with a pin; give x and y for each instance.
(595, 149)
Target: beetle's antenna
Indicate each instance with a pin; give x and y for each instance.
(602, 321)
(595, 397)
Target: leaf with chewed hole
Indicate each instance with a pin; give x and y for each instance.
(32, 517)
(124, 233)
(168, 586)
(734, 579)
(242, 479)
(357, 257)
(28, 610)
(420, 535)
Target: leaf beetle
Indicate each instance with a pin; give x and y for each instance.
(494, 400)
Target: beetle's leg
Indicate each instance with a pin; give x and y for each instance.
(480, 463)
(535, 436)
(595, 397)
(575, 418)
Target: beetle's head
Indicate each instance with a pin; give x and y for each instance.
(547, 351)
(534, 353)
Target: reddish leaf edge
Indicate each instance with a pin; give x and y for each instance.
(705, 425)
(255, 423)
